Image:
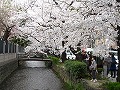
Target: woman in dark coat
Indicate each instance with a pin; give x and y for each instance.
(113, 67)
(63, 57)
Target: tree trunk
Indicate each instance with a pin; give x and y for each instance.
(6, 35)
(7, 32)
(118, 73)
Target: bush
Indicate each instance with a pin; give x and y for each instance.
(48, 64)
(68, 86)
(113, 86)
(55, 60)
(76, 69)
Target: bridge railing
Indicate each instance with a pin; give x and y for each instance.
(21, 55)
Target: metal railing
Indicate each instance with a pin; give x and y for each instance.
(9, 47)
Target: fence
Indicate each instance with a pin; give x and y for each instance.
(9, 47)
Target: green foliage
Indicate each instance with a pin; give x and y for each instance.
(21, 41)
(55, 60)
(76, 69)
(69, 86)
(112, 86)
(79, 86)
(48, 64)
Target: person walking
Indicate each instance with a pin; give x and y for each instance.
(93, 68)
(113, 67)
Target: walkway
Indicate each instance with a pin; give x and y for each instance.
(32, 79)
(111, 79)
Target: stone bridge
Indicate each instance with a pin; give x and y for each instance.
(34, 62)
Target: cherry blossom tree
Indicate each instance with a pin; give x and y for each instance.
(48, 23)
(6, 24)
(54, 20)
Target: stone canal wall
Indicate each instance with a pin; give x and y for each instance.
(8, 63)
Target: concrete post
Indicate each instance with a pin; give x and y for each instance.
(4, 47)
(8, 46)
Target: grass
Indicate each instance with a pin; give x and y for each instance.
(70, 86)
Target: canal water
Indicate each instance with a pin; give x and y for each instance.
(32, 78)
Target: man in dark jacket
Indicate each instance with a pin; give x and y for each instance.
(113, 66)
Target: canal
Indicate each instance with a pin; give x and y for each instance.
(32, 78)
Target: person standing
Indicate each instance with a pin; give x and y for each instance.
(93, 68)
(78, 55)
(84, 56)
(113, 67)
(106, 65)
(109, 59)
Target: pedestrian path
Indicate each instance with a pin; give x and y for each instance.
(111, 79)
(90, 85)
(32, 79)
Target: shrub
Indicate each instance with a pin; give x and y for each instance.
(76, 69)
(48, 64)
(69, 86)
(113, 86)
(79, 86)
(55, 60)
